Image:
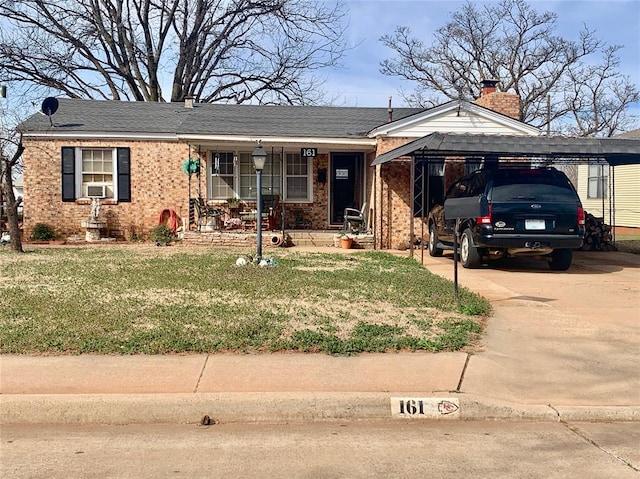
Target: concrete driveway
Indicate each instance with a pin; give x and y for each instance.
(557, 337)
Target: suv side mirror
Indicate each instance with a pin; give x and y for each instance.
(472, 207)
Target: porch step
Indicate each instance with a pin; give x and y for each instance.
(326, 238)
(311, 237)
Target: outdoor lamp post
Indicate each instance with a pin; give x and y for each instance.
(259, 157)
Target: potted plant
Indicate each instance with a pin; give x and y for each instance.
(234, 206)
(346, 241)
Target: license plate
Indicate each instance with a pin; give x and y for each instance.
(534, 224)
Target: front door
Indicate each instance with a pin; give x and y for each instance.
(346, 184)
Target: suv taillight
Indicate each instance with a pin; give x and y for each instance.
(484, 220)
(581, 221)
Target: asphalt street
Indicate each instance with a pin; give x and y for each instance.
(385, 449)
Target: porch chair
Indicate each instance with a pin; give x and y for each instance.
(355, 221)
(205, 212)
(270, 210)
(268, 217)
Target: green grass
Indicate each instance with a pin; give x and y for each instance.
(628, 243)
(142, 299)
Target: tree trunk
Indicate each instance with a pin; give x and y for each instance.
(6, 183)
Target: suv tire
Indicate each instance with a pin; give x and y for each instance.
(433, 241)
(561, 259)
(469, 256)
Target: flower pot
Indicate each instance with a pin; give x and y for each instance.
(346, 243)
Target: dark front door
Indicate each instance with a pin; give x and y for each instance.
(346, 184)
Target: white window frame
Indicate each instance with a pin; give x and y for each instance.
(79, 172)
(211, 174)
(238, 155)
(309, 176)
(598, 178)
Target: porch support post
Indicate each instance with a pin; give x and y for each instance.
(412, 199)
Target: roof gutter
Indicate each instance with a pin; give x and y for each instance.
(279, 139)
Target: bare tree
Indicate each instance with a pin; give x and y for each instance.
(598, 97)
(516, 45)
(238, 51)
(11, 150)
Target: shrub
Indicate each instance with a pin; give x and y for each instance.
(42, 232)
(161, 234)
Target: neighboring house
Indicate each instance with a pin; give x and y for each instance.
(132, 154)
(612, 193)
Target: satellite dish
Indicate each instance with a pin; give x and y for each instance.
(49, 107)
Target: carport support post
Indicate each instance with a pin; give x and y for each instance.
(456, 242)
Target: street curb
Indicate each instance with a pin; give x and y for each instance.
(273, 407)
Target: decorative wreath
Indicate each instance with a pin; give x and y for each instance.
(191, 166)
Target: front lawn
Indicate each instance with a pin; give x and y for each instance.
(628, 242)
(142, 299)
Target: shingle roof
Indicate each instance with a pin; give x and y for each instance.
(613, 150)
(85, 116)
(633, 134)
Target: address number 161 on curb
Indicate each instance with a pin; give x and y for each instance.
(430, 408)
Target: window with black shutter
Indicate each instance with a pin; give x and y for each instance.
(68, 173)
(124, 175)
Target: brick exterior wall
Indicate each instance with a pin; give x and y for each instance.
(157, 182)
(314, 215)
(393, 203)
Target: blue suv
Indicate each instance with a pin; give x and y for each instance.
(531, 212)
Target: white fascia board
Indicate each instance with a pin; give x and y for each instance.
(359, 142)
(469, 107)
(87, 135)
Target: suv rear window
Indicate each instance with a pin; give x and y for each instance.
(529, 187)
(528, 192)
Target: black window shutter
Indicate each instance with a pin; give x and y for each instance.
(124, 175)
(68, 173)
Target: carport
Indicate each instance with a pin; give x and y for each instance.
(428, 154)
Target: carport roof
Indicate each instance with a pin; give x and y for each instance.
(616, 151)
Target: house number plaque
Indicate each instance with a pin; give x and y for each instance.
(308, 152)
(426, 408)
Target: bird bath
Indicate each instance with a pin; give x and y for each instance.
(93, 225)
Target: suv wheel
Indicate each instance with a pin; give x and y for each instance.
(469, 256)
(561, 259)
(433, 241)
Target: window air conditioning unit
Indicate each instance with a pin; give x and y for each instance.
(96, 191)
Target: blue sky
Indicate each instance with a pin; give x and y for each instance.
(359, 82)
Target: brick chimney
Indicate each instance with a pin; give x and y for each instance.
(188, 102)
(502, 102)
(488, 86)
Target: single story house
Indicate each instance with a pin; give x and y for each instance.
(319, 161)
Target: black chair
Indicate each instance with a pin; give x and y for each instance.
(205, 212)
(355, 221)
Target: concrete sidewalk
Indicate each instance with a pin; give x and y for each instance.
(541, 361)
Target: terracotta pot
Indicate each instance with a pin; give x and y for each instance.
(346, 243)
